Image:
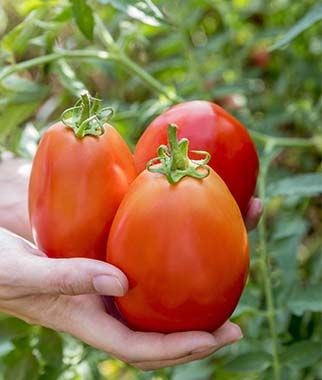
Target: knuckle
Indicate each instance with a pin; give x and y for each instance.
(63, 281)
(7, 293)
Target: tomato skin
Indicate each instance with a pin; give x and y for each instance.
(260, 57)
(208, 127)
(75, 188)
(184, 249)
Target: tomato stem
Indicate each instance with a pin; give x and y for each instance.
(86, 117)
(179, 157)
(86, 107)
(173, 160)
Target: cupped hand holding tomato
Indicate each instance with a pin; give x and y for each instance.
(64, 295)
(180, 239)
(53, 293)
(210, 128)
(80, 173)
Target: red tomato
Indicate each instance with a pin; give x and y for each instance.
(76, 186)
(260, 57)
(208, 127)
(184, 249)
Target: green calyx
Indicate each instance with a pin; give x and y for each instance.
(174, 161)
(87, 117)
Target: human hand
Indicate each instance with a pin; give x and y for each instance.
(14, 178)
(64, 295)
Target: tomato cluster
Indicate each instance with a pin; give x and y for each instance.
(173, 224)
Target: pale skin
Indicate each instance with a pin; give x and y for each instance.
(65, 295)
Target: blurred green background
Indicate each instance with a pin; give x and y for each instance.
(261, 60)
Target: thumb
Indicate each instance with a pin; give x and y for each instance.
(74, 277)
(27, 271)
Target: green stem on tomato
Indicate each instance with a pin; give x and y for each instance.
(264, 265)
(86, 117)
(173, 160)
(179, 150)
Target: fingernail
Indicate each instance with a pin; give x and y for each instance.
(204, 348)
(108, 286)
(238, 333)
(258, 205)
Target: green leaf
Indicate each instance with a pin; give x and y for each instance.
(5, 348)
(50, 346)
(12, 328)
(311, 17)
(305, 185)
(249, 302)
(13, 116)
(249, 362)
(21, 90)
(302, 354)
(3, 20)
(288, 224)
(17, 40)
(22, 365)
(145, 11)
(192, 371)
(26, 142)
(68, 78)
(304, 299)
(84, 18)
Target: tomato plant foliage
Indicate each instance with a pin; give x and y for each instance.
(141, 57)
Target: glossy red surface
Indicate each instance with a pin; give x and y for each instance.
(184, 249)
(210, 128)
(75, 188)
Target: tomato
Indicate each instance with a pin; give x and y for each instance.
(232, 101)
(183, 245)
(76, 186)
(208, 127)
(260, 57)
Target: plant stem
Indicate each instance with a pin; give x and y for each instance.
(110, 45)
(130, 65)
(53, 57)
(193, 66)
(153, 83)
(265, 268)
(150, 81)
(291, 142)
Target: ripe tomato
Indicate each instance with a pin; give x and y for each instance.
(76, 186)
(260, 57)
(184, 249)
(208, 127)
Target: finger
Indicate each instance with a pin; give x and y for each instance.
(254, 213)
(227, 334)
(73, 277)
(41, 275)
(106, 333)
